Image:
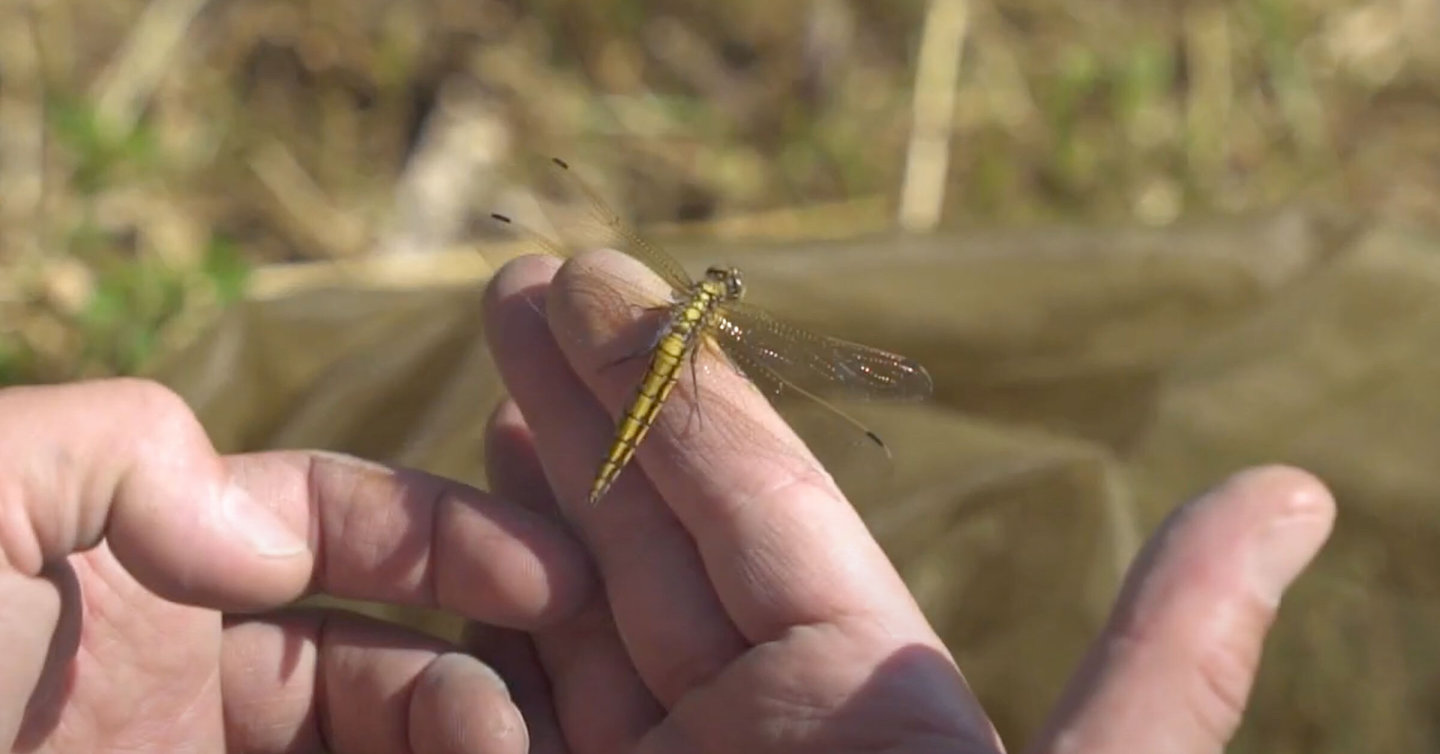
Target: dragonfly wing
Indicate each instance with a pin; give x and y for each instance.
(593, 224)
(814, 364)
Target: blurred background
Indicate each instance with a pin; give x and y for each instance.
(155, 153)
(1166, 170)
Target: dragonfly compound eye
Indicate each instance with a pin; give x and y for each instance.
(734, 285)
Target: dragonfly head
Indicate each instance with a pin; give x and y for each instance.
(729, 279)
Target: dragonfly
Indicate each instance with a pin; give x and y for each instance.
(709, 313)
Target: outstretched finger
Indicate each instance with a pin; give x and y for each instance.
(673, 625)
(1173, 669)
(779, 542)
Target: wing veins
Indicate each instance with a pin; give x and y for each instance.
(625, 238)
(820, 364)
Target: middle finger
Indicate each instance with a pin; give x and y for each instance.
(556, 670)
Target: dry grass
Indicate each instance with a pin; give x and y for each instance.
(152, 152)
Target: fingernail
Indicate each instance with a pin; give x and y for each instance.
(465, 663)
(266, 533)
(1285, 547)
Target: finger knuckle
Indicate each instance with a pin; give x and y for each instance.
(159, 412)
(1225, 675)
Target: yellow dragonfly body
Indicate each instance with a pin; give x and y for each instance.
(708, 313)
(699, 312)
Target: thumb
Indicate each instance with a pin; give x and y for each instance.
(127, 461)
(1173, 670)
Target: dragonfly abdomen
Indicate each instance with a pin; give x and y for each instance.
(687, 323)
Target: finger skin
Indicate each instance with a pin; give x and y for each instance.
(1173, 669)
(674, 628)
(75, 468)
(512, 654)
(405, 537)
(830, 688)
(303, 679)
(573, 660)
(126, 459)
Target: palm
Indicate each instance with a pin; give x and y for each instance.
(143, 667)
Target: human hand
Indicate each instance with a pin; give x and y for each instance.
(120, 644)
(747, 609)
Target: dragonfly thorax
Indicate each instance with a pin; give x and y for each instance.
(726, 282)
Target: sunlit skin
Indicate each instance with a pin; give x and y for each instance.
(709, 314)
(723, 599)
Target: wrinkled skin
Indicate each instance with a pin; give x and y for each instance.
(723, 598)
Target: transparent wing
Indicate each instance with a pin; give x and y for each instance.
(815, 365)
(590, 224)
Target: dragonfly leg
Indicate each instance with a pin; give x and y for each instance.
(697, 413)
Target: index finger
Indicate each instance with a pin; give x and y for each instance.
(778, 540)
